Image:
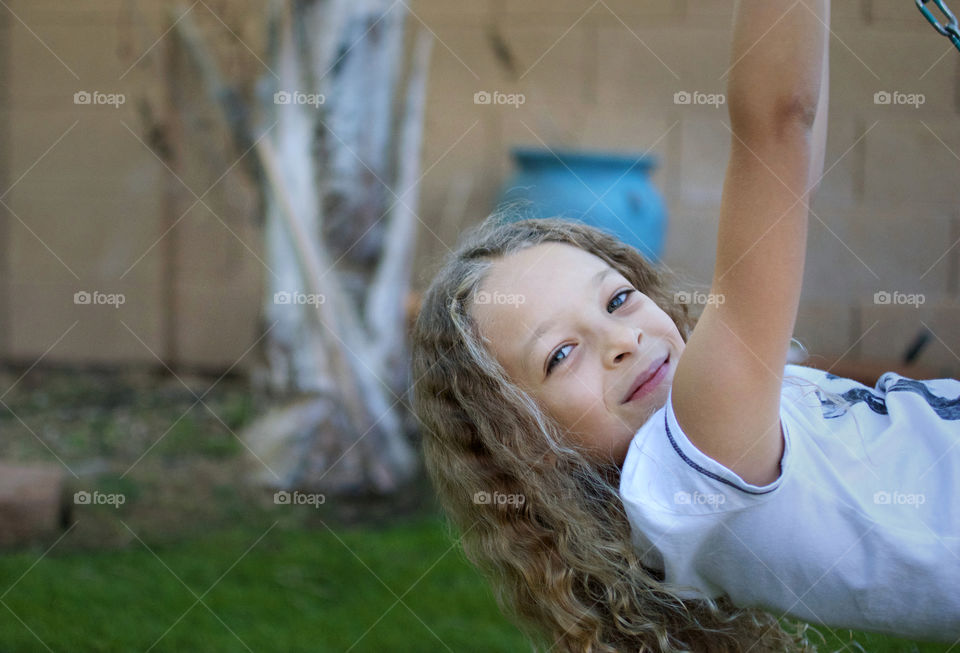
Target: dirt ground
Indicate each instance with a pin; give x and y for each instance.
(177, 463)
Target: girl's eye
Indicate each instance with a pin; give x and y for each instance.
(622, 292)
(553, 358)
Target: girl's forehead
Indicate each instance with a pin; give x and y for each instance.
(531, 286)
(547, 259)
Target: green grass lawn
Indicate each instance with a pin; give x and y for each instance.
(270, 587)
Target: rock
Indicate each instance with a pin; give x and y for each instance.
(30, 501)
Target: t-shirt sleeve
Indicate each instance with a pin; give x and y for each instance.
(736, 492)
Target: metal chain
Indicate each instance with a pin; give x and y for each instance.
(950, 30)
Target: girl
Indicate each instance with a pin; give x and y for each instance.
(632, 480)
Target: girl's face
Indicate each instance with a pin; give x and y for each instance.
(598, 335)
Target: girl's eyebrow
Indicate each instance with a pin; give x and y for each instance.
(545, 325)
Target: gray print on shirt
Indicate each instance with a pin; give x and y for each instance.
(945, 408)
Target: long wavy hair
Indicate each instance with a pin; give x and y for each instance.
(560, 559)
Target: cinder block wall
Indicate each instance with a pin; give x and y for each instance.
(86, 205)
(603, 76)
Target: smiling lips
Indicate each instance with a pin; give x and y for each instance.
(648, 379)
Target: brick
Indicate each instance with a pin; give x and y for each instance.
(894, 329)
(912, 162)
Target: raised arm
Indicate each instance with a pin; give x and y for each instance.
(726, 389)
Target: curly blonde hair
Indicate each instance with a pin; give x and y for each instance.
(561, 562)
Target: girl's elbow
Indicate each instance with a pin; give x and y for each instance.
(781, 119)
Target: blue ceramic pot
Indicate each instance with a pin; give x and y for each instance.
(568, 184)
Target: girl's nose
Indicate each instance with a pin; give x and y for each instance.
(622, 342)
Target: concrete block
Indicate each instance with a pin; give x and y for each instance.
(461, 136)
(865, 62)
(832, 272)
(65, 59)
(850, 257)
(431, 12)
(217, 245)
(43, 317)
(703, 12)
(217, 324)
(103, 237)
(39, 13)
(553, 63)
(550, 130)
(642, 69)
(463, 59)
(953, 257)
(609, 11)
(903, 16)
(912, 162)
(690, 247)
(715, 10)
(907, 248)
(97, 208)
(889, 330)
(436, 243)
(704, 154)
(48, 146)
(825, 328)
(615, 129)
(843, 161)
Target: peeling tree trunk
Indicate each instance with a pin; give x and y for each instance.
(337, 168)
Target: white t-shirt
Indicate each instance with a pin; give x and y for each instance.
(861, 529)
